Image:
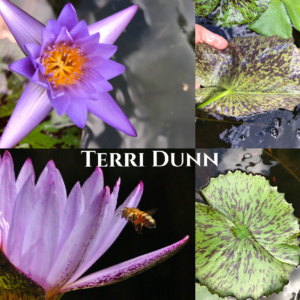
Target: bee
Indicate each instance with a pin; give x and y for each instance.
(138, 218)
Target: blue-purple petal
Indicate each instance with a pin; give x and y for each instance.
(88, 44)
(61, 103)
(110, 69)
(25, 29)
(39, 79)
(126, 269)
(53, 26)
(111, 28)
(64, 37)
(83, 89)
(68, 17)
(105, 50)
(34, 52)
(80, 31)
(77, 111)
(99, 82)
(94, 61)
(108, 110)
(23, 67)
(48, 39)
(31, 109)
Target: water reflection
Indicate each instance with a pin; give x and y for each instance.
(278, 171)
(156, 88)
(256, 131)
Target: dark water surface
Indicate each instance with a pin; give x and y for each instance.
(276, 129)
(277, 166)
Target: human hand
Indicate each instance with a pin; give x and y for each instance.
(202, 35)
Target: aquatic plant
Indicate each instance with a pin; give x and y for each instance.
(68, 64)
(254, 74)
(246, 238)
(49, 240)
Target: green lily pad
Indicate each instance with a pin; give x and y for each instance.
(232, 12)
(278, 18)
(246, 239)
(202, 293)
(254, 74)
(54, 132)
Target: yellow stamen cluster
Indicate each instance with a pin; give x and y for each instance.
(64, 65)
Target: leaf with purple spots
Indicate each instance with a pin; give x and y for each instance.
(202, 293)
(253, 75)
(246, 239)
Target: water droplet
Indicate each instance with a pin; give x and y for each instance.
(277, 122)
(274, 133)
(289, 122)
(243, 137)
(298, 133)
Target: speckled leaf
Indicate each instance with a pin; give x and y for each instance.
(237, 12)
(246, 239)
(204, 7)
(54, 132)
(202, 293)
(15, 286)
(254, 74)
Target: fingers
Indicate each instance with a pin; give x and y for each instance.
(204, 35)
(197, 85)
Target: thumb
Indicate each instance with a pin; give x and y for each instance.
(212, 39)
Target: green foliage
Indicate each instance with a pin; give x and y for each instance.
(254, 74)
(15, 285)
(232, 12)
(246, 239)
(205, 7)
(202, 293)
(278, 18)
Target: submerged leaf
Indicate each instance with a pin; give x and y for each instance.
(205, 7)
(254, 74)
(246, 239)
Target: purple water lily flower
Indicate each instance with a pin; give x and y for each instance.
(53, 239)
(68, 66)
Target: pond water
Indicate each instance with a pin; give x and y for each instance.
(277, 128)
(279, 166)
(157, 50)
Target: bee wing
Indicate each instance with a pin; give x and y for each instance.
(151, 212)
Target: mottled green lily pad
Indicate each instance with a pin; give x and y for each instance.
(54, 132)
(246, 239)
(254, 74)
(278, 19)
(202, 293)
(232, 12)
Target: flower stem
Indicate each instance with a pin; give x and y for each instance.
(214, 99)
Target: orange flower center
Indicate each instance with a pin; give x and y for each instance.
(64, 65)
